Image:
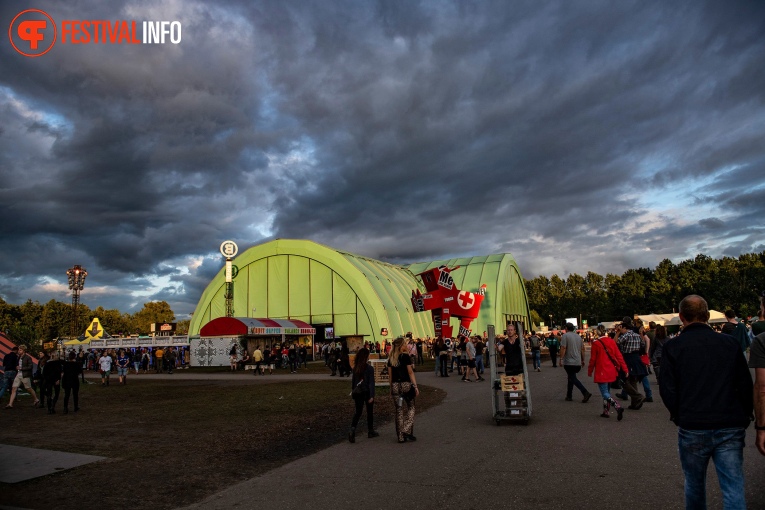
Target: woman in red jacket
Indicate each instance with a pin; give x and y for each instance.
(604, 360)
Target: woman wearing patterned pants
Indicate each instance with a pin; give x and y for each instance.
(403, 387)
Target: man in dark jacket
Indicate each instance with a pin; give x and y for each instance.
(51, 373)
(706, 386)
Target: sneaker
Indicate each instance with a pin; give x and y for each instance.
(648, 399)
(372, 434)
(619, 413)
(481, 379)
(605, 415)
(569, 399)
(586, 398)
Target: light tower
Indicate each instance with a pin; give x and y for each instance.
(76, 276)
(229, 249)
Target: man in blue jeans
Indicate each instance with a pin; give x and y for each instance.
(706, 386)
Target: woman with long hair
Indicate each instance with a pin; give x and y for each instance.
(403, 389)
(363, 392)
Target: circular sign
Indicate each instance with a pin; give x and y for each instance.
(229, 249)
(32, 32)
(466, 300)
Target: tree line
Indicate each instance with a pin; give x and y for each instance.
(726, 283)
(33, 323)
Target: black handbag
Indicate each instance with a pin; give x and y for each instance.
(359, 390)
(621, 376)
(409, 395)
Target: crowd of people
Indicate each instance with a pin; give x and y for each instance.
(702, 373)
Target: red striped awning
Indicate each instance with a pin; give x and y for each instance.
(238, 326)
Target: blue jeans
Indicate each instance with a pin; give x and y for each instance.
(536, 357)
(647, 387)
(7, 382)
(438, 364)
(726, 448)
(605, 390)
(479, 363)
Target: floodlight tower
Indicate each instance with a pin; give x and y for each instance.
(229, 249)
(76, 276)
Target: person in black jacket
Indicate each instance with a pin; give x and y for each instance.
(51, 380)
(363, 382)
(706, 386)
(71, 382)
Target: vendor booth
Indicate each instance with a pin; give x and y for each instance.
(212, 347)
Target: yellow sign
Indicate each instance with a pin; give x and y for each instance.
(94, 330)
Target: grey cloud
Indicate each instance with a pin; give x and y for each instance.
(400, 130)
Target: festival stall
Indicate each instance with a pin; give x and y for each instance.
(217, 337)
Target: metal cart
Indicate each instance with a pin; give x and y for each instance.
(511, 395)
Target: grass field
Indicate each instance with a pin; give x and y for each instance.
(171, 443)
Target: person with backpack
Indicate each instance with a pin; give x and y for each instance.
(553, 346)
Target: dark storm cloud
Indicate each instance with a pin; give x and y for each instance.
(577, 136)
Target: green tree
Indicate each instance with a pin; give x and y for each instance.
(182, 327)
(153, 311)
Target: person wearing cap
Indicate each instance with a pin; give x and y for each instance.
(707, 389)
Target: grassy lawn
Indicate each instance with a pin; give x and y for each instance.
(172, 443)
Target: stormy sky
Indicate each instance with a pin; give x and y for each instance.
(575, 135)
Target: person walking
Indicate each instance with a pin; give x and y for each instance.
(257, 358)
(51, 377)
(105, 364)
(552, 346)
(123, 365)
(83, 360)
(23, 377)
(71, 382)
(10, 369)
(655, 349)
(470, 360)
(605, 363)
(572, 358)
(479, 347)
(512, 352)
(757, 362)
(172, 357)
(159, 355)
(629, 343)
(707, 389)
(403, 389)
(363, 393)
(232, 357)
(536, 351)
(442, 359)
